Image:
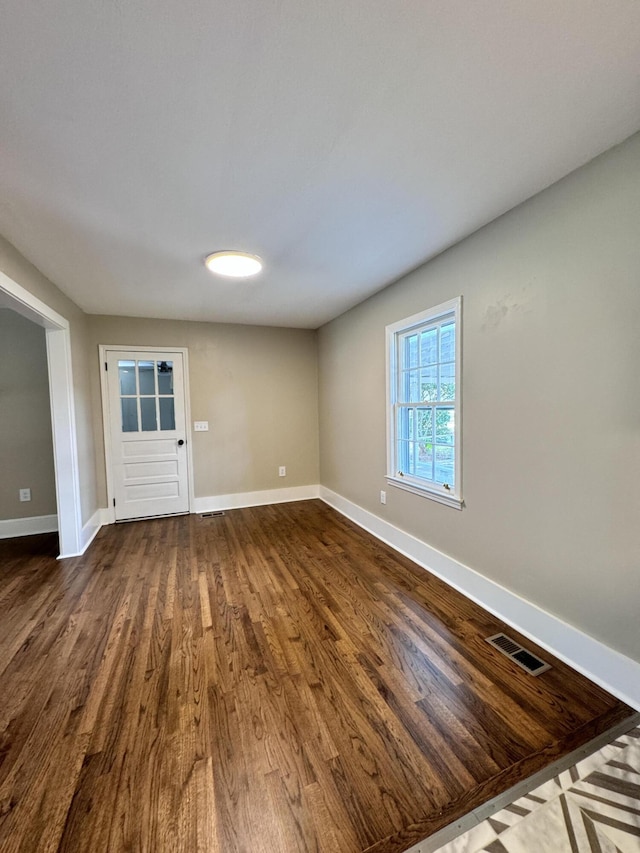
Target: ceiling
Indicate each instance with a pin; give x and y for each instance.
(344, 142)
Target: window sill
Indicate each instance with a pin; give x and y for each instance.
(424, 492)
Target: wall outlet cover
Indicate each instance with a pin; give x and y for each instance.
(25, 494)
(282, 471)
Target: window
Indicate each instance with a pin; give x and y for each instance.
(423, 407)
(146, 395)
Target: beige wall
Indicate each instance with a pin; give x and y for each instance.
(13, 264)
(26, 447)
(551, 444)
(256, 386)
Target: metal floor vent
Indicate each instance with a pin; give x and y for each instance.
(521, 656)
(212, 514)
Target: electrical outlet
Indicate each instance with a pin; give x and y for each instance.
(383, 497)
(282, 471)
(201, 426)
(25, 494)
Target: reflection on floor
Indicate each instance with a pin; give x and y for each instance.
(592, 806)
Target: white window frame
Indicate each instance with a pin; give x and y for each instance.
(451, 496)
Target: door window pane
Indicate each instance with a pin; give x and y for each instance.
(165, 378)
(127, 374)
(167, 413)
(129, 406)
(146, 377)
(148, 413)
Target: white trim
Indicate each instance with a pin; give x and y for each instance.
(108, 514)
(63, 423)
(430, 314)
(612, 670)
(26, 304)
(63, 420)
(409, 485)
(89, 531)
(12, 527)
(103, 349)
(261, 498)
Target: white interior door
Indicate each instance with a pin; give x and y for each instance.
(147, 424)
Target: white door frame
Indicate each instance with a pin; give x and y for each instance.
(63, 418)
(106, 422)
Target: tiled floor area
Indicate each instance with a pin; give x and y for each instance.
(593, 807)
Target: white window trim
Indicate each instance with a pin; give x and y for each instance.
(407, 483)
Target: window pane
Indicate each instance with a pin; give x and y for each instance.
(448, 342)
(165, 379)
(146, 378)
(424, 462)
(425, 425)
(444, 426)
(409, 385)
(429, 347)
(404, 459)
(447, 381)
(410, 355)
(127, 374)
(148, 413)
(129, 406)
(428, 384)
(405, 425)
(445, 467)
(412, 457)
(167, 414)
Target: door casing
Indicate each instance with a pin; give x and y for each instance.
(73, 537)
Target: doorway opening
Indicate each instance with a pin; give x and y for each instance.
(63, 422)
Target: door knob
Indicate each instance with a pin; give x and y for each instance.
(180, 442)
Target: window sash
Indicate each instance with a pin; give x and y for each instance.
(425, 442)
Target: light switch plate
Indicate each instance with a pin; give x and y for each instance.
(201, 426)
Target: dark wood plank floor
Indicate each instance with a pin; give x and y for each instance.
(271, 680)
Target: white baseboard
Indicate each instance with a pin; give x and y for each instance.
(108, 515)
(11, 527)
(215, 503)
(89, 531)
(610, 669)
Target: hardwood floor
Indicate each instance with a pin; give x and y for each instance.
(271, 680)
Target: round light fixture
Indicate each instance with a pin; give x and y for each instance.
(233, 264)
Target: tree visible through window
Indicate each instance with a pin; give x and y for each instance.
(424, 402)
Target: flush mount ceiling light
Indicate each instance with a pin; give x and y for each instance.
(233, 264)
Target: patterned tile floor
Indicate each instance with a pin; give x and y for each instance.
(593, 807)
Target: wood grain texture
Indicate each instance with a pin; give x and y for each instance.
(272, 680)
